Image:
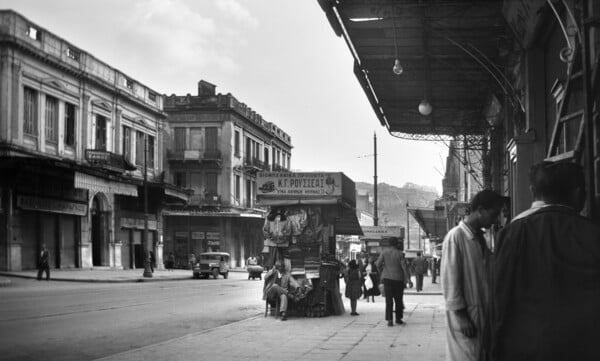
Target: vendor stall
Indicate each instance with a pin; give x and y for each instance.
(306, 211)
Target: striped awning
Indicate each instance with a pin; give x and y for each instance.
(96, 184)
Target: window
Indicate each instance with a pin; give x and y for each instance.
(139, 148)
(248, 148)
(152, 96)
(195, 138)
(126, 142)
(236, 143)
(266, 156)
(211, 183)
(289, 164)
(101, 132)
(179, 179)
(180, 139)
(73, 53)
(211, 135)
(128, 83)
(238, 184)
(150, 151)
(30, 120)
(33, 33)
(69, 125)
(248, 194)
(51, 119)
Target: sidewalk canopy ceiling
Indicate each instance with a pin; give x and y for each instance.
(432, 221)
(448, 51)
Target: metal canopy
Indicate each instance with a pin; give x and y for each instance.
(449, 51)
(432, 221)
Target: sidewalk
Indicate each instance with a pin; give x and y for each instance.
(136, 275)
(347, 338)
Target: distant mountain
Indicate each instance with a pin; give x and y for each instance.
(392, 202)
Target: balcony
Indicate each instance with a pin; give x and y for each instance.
(195, 155)
(206, 200)
(278, 168)
(253, 164)
(109, 161)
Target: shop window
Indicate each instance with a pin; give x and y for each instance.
(51, 119)
(101, 122)
(70, 124)
(30, 116)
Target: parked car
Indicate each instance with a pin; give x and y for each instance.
(212, 263)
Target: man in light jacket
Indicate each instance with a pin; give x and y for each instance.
(394, 273)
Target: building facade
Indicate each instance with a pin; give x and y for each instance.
(75, 138)
(215, 146)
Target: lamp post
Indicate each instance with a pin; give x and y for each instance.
(147, 271)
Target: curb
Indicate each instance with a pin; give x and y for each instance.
(94, 280)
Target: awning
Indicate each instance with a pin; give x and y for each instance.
(432, 221)
(347, 223)
(96, 184)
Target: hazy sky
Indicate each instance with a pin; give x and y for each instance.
(280, 57)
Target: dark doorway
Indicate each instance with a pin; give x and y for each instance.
(97, 234)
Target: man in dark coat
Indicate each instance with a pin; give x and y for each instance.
(44, 263)
(392, 265)
(546, 282)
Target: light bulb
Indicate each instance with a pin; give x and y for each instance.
(424, 107)
(397, 67)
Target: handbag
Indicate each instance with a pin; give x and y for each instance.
(368, 283)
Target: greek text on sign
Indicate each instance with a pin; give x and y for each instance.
(299, 184)
(379, 232)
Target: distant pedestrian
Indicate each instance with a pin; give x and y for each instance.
(170, 261)
(44, 263)
(394, 273)
(435, 264)
(465, 280)
(371, 276)
(353, 279)
(192, 260)
(419, 268)
(546, 282)
(152, 261)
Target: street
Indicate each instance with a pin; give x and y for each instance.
(85, 321)
(175, 319)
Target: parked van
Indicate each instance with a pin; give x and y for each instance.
(212, 263)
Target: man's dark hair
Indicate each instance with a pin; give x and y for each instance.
(554, 182)
(486, 199)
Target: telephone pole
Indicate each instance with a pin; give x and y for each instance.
(375, 218)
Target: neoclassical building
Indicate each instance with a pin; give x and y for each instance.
(75, 138)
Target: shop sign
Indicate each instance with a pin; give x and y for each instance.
(214, 243)
(181, 234)
(197, 235)
(137, 223)
(213, 235)
(373, 244)
(51, 205)
(380, 232)
(299, 184)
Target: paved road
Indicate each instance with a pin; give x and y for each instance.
(85, 321)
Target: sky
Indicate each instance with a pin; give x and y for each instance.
(279, 57)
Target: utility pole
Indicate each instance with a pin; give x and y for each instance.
(407, 228)
(375, 219)
(147, 271)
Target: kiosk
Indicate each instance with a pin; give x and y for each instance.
(305, 213)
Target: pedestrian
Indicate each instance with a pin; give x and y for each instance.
(434, 269)
(394, 273)
(353, 280)
(464, 279)
(192, 260)
(419, 266)
(170, 261)
(371, 273)
(546, 273)
(152, 261)
(44, 263)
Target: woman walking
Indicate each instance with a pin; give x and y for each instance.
(370, 286)
(353, 281)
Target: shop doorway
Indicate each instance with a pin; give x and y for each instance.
(99, 231)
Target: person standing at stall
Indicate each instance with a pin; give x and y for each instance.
(395, 274)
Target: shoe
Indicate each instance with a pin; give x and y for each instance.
(399, 322)
(390, 323)
(353, 314)
(283, 316)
